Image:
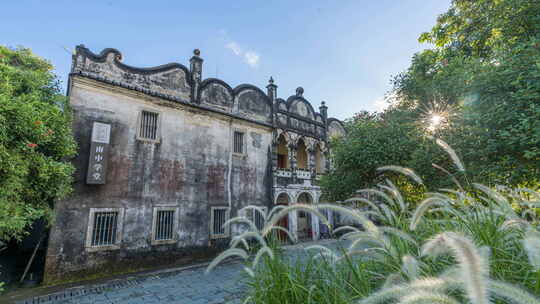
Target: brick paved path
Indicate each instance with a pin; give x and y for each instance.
(225, 284)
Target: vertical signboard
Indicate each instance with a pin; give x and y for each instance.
(99, 152)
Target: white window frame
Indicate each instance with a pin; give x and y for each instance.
(227, 217)
(175, 225)
(244, 142)
(158, 126)
(90, 227)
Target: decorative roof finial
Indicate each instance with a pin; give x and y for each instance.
(271, 81)
(196, 52)
(299, 91)
(323, 104)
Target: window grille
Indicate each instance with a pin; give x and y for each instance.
(219, 217)
(105, 227)
(164, 225)
(149, 125)
(238, 142)
(259, 220)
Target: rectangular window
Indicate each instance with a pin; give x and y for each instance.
(238, 142)
(218, 217)
(105, 228)
(164, 225)
(149, 125)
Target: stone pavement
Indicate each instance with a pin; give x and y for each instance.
(225, 284)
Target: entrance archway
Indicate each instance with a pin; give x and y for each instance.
(283, 199)
(305, 219)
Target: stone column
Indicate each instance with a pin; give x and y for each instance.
(292, 161)
(311, 162)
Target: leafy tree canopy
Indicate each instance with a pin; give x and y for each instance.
(482, 81)
(35, 140)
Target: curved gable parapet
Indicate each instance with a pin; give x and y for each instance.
(251, 102)
(281, 104)
(171, 79)
(300, 106)
(216, 93)
(319, 118)
(335, 128)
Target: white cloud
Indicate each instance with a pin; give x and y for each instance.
(250, 57)
(235, 48)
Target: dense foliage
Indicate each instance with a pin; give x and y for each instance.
(467, 244)
(482, 80)
(35, 140)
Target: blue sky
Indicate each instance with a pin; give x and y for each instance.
(343, 52)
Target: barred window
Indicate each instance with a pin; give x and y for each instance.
(149, 125)
(238, 142)
(104, 228)
(259, 219)
(164, 225)
(218, 217)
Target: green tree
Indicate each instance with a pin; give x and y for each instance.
(35, 141)
(483, 77)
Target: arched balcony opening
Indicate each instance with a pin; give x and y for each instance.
(282, 153)
(319, 160)
(301, 156)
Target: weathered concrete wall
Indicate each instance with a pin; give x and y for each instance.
(188, 168)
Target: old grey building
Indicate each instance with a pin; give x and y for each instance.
(165, 158)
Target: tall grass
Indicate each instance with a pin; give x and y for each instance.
(474, 244)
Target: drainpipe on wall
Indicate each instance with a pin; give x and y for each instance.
(229, 172)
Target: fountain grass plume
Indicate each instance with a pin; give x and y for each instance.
(226, 254)
(422, 208)
(451, 153)
(427, 297)
(398, 233)
(410, 267)
(256, 208)
(454, 179)
(531, 243)
(473, 268)
(396, 193)
(510, 292)
(240, 219)
(289, 234)
(363, 200)
(387, 198)
(273, 220)
(260, 253)
(356, 215)
(398, 197)
(384, 295)
(342, 228)
(500, 200)
(405, 171)
(388, 213)
(248, 234)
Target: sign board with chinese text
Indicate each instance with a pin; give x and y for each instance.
(99, 152)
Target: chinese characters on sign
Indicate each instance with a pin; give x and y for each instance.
(99, 148)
